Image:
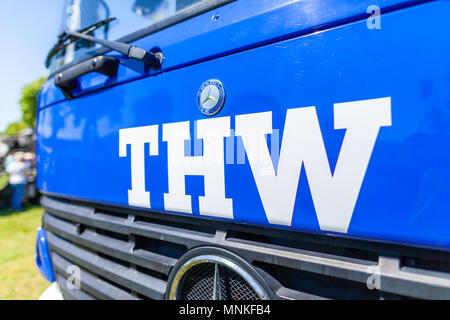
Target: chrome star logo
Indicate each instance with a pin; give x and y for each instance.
(210, 97)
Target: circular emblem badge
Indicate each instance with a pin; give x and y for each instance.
(211, 97)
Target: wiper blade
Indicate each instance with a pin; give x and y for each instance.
(64, 39)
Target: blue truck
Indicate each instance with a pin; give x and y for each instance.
(249, 149)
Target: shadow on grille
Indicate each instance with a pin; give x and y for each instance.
(199, 282)
(435, 264)
(322, 248)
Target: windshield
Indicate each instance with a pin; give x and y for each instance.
(131, 15)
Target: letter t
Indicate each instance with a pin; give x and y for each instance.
(137, 137)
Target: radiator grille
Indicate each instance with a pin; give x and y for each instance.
(198, 284)
(129, 254)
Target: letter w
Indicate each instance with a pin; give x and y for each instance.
(334, 195)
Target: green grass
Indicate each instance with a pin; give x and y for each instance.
(19, 277)
(3, 181)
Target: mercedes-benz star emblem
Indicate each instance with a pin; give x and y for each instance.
(211, 97)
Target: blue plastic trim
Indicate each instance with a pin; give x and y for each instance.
(42, 259)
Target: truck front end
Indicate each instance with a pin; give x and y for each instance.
(279, 150)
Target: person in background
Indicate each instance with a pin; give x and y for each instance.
(30, 158)
(18, 172)
(8, 160)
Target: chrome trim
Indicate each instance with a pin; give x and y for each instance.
(216, 260)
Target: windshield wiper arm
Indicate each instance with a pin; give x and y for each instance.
(64, 39)
(150, 58)
(67, 37)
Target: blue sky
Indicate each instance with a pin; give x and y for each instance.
(28, 29)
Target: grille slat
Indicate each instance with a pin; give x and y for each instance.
(71, 294)
(147, 285)
(148, 230)
(89, 282)
(109, 246)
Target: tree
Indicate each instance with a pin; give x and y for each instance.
(14, 128)
(28, 102)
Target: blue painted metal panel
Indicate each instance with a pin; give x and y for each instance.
(405, 195)
(242, 25)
